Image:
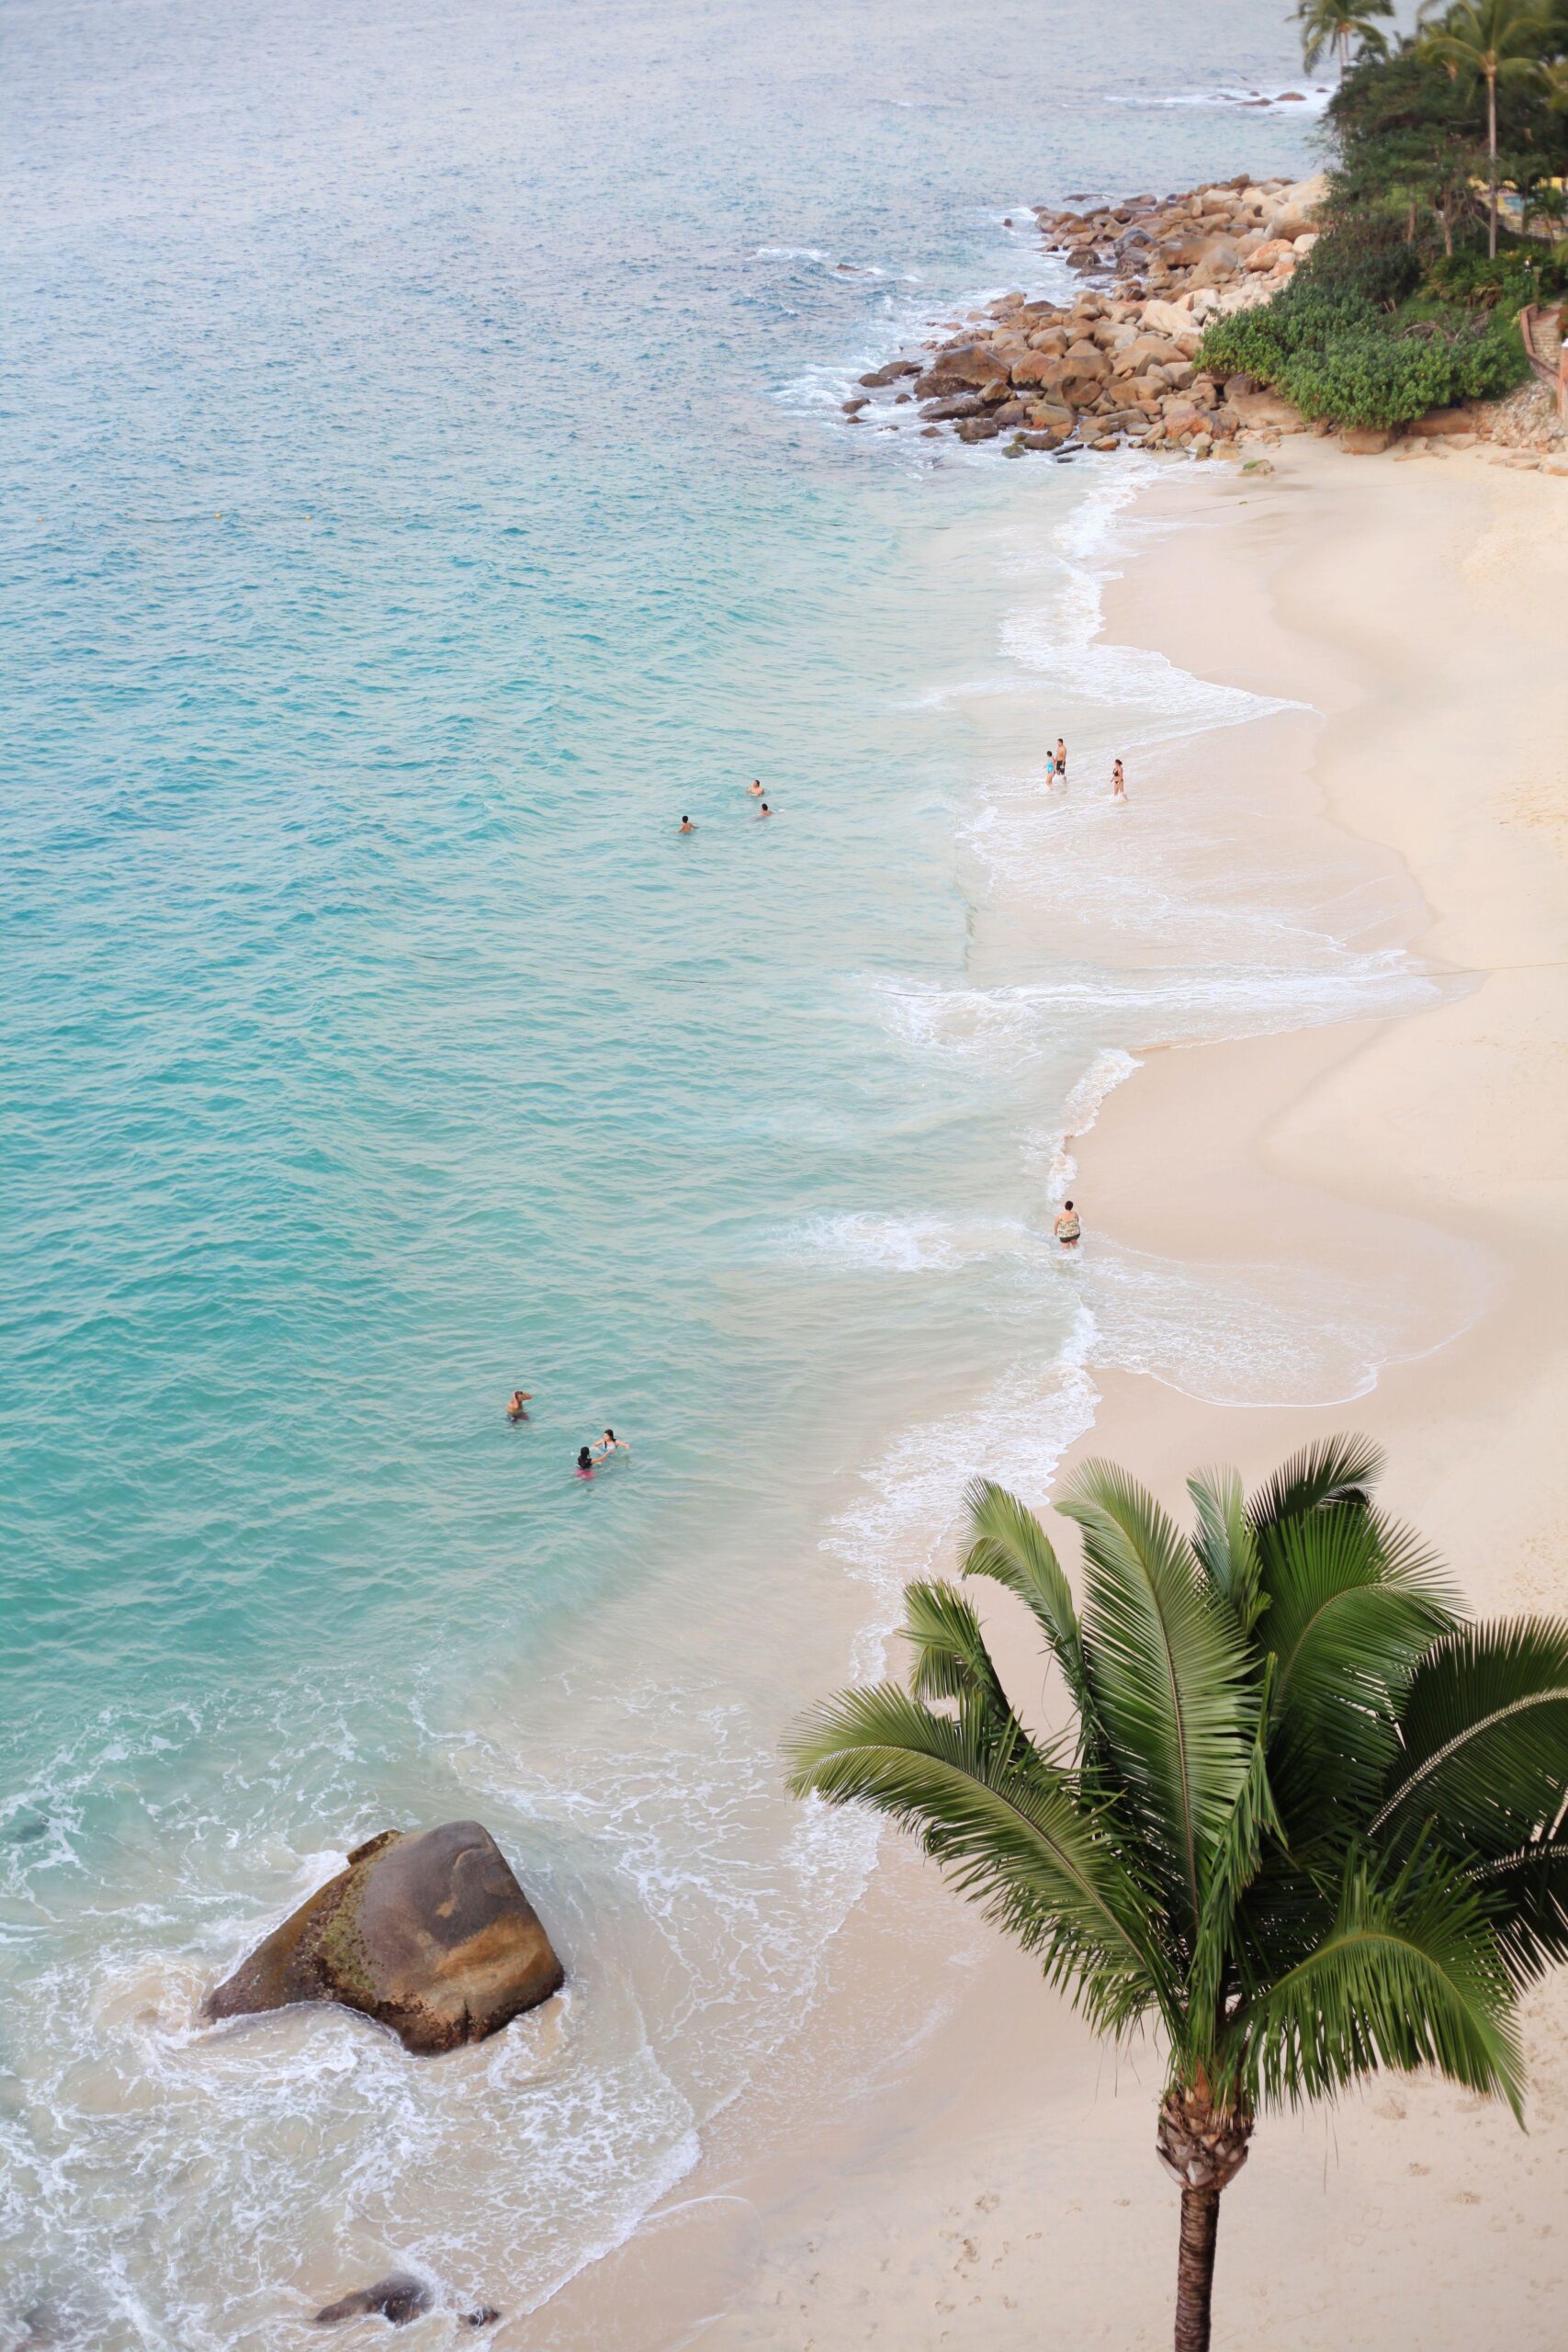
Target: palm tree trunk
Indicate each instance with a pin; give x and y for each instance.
(1492, 152)
(1195, 2267)
(1203, 2146)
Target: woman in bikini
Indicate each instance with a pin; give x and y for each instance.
(1118, 783)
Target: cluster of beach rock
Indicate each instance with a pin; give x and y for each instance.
(1118, 363)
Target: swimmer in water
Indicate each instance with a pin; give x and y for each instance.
(1118, 783)
(685, 826)
(610, 1443)
(763, 809)
(1067, 1228)
(754, 789)
(518, 1403)
(584, 1463)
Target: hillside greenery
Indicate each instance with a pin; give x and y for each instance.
(1410, 300)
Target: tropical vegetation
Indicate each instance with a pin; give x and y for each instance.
(1341, 25)
(1444, 215)
(1299, 1815)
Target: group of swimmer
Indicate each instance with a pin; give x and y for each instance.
(588, 1456)
(753, 792)
(1056, 772)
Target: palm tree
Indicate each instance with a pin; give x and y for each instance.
(1335, 24)
(1305, 1818)
(1498, 40)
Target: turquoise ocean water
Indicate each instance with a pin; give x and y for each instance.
(424, 482)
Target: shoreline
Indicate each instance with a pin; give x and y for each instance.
(895, 2214)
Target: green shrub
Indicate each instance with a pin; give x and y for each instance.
(1517, 276)
(1330, 348)
(1387, 379)
(1369, 257)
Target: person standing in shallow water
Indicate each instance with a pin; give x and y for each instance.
(584, 1468)
(517, 1404)
(1061, 760)
(1067, 1229)
(1118, 783)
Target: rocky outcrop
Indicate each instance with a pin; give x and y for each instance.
(1118, 362)
(426, 1932)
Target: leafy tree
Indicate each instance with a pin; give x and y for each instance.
(1302, 1816)
(1497, 41)
(1336, 24)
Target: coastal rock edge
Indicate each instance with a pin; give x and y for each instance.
(428, 1931)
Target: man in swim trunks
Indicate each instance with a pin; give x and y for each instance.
(517, 1403)
(1061, 759)
(1067, 1228)
(754, 789)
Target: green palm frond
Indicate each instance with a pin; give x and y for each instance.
(1335, 24)
(1022, 1843)
(1526, 1895)
(1334, 1470)
(1171, 1680)
(1483, 1734)
(1012, 1548)
(1353, 1604)
(1408, 1975)
(1226, 1545)
(1233, 1869)
(1485, 38)
(951, 1657)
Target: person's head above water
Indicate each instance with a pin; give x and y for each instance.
(764, 810)
(610, 1435)
(584, 1460)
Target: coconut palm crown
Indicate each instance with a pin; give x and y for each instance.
(1339, 26)
(1302, 1816)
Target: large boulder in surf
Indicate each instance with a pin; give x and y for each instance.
(428, 1931)
(971, 363)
